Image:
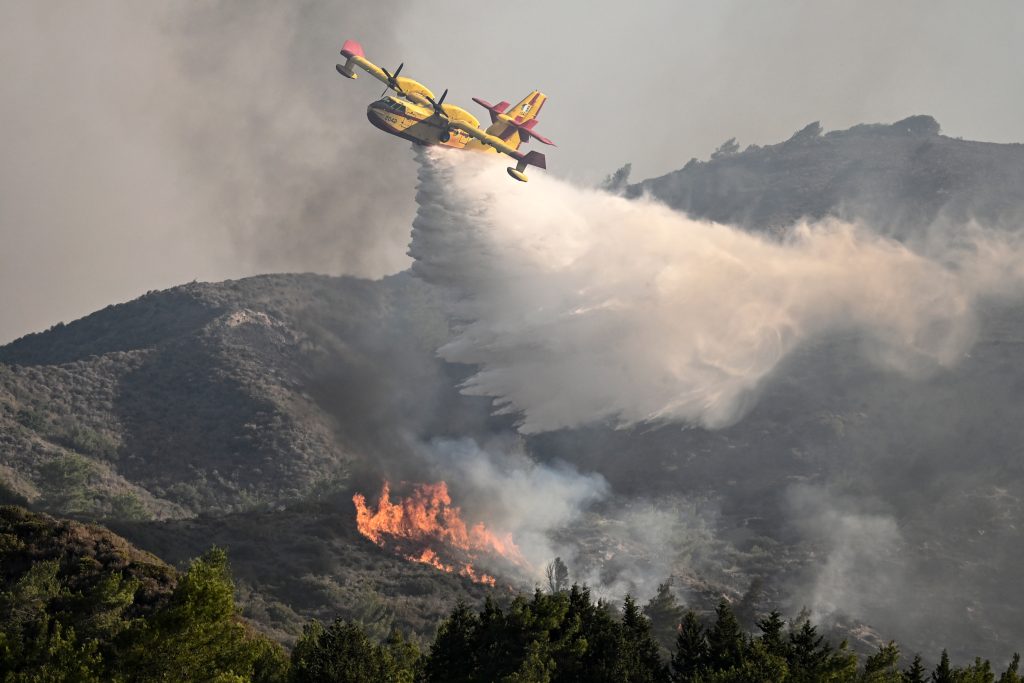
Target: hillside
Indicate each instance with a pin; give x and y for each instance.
(246, 413)
(221, 397)
(84, 555)
(309, 562)
(79, 603)
(899, 178)
(232, 401)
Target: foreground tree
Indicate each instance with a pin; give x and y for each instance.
(772, 636)
(726, 641)
(453, 655)
(198, 636)
(915, 673)
(881, 667)
(639, 649)
(691, 657)
(943, 671)
(665, 614)
(343, 652)
(1011, 675)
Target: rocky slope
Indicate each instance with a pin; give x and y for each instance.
(899, 178)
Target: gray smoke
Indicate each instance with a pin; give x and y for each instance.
(864, 564)
(613, 544)
(149, 144)
(579, 306)
(499, 481)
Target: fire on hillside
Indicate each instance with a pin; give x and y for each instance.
(425, 526)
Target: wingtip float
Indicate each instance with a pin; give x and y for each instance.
(414, 114)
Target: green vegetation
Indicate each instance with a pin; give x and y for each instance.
(566, 636)
(65, 481)
(77, 603)
(296, 565)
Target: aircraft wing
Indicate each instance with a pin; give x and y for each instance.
(495, 142)
(406, 87)
(523, 160)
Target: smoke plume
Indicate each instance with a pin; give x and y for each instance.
(578, 306)
(149, 144)
(499, 481)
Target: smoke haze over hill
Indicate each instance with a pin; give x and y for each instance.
(578, 306)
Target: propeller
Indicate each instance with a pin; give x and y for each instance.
(393, 80)
(438, 111)
(441, 115)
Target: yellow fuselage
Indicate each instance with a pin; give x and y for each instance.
(419, 124)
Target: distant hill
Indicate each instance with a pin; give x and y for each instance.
(899, 178)
(205, 397)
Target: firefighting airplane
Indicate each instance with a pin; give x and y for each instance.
(415, 115)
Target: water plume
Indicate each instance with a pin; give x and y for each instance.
(578, 306)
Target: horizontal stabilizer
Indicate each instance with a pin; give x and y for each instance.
(529, 159)
(536, 159)
(527, 133)
(533, 159)
(494, 109)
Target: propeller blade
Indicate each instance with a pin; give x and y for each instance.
(393, 80)
(436, 104)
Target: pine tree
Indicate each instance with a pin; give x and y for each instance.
(725, 640)
(881, 666)
(915, 673)
(978, 672)
(691, 657)
(665, 615)
(492, 641)
(943, 672)
(639, 648)
(808, 653)
(761, 666)
(341, 652)
(198, 635)
(593, 653)
(1011, 675)
(405, 655)
(771, 635)
(452, 657)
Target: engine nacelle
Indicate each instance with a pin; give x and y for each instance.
(412, 87)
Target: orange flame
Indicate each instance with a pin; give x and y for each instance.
(428, 516)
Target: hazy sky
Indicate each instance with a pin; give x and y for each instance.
(143, 145)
